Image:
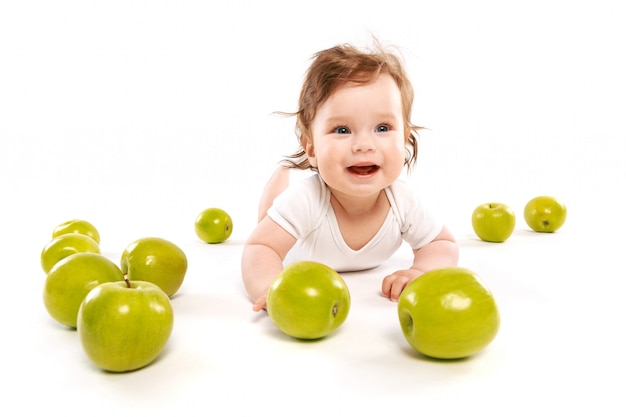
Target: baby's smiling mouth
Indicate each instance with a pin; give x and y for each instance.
(363, 169)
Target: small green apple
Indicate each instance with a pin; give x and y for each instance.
(156, 260)
(545, 214)
(493, 222)
(213, 225)
(69, 281)
(448, 313)
(79, 226)
(65, 245)
(308, 300)
(124, 326)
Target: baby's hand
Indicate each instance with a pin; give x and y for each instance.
(394, 284)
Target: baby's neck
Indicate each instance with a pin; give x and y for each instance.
(359, 207)
(359, 220)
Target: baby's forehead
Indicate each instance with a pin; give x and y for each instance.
(356, 81)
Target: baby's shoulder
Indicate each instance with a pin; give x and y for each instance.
(301, 206)
(311, 185)
(304, 192)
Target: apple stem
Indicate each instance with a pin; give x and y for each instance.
(127, 281)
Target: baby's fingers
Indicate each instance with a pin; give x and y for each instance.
(393, 285)
(260, 304)
(387, 282)
(397, 287)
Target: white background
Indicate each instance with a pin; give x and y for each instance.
(136, 115)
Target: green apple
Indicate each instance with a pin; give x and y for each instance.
(79, 226)
(69, 281)
(448, 313)
(545, 214)
(156, 260)
(308, 300)
(65, 245)
(124, 326)
(213, 225)
(493, 222)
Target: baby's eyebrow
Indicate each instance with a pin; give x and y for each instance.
(337, 120)
(342, 120)
(387, 116)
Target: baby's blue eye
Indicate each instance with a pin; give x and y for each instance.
(382, 128)
(342, 130)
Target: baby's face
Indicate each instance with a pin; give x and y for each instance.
(358, 138)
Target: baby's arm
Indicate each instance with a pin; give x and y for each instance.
(262, 259)
(442, 251)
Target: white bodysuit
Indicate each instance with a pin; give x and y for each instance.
(305, 212)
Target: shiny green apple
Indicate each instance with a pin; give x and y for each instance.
(493, 222)
(124, 326)
(213, 225)
(79, 226)
(65, 245)
(156, 260)
(69, 281)
(545, 214)
(448, 313)
(308, 300)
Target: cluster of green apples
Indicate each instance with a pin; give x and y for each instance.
(122, 313)
(495, 222)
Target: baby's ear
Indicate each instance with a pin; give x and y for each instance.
(309, 149)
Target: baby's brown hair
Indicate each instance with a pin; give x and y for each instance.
(331, 68)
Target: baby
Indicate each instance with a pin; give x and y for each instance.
(353, 212)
